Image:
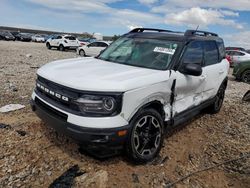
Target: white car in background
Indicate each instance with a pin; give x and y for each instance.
(38, 38)
(62, 42)
(237, 56)
(92, 49)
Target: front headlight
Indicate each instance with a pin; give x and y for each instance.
(99, 105)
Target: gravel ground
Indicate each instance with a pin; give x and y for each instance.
(32, 155)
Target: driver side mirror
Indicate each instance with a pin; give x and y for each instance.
(191, 69)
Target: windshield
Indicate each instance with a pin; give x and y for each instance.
(141, 52)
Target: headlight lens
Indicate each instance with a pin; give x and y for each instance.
(102, 105)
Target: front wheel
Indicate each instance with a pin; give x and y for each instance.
(48, 46)
(82, 53)
(146, 136)
(246, 76)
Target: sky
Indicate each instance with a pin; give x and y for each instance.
(229, 18)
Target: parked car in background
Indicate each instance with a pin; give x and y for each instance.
(242, 71)
(6, 35)
(236, 56)
(92, 49)
(26, 37)
(38, 38)
(62, 42)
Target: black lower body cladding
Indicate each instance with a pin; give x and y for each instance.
(90, 138)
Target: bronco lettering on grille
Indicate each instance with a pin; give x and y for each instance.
(52, 93)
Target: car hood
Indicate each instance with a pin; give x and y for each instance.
(92, 74)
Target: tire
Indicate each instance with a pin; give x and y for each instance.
(246, 76)
(219, 98)
(147, 129)
(61, 47)
(48, 45)
(82, 53)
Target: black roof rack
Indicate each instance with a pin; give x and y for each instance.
(199, 33)
(140, 30)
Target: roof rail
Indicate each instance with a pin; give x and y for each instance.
(140, 30)
(200, 33)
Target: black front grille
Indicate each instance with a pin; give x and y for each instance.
(68, 106)
(50, 110)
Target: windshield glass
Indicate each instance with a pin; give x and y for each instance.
(141, 52)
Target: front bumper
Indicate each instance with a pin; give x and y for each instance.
(91, 138)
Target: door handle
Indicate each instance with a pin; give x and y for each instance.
(221, 72)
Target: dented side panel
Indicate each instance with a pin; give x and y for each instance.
(139, 97)
(188, 91)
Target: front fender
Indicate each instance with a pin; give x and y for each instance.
(136, 99)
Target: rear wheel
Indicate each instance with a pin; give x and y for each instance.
(48, 46)
(146, 136)
(219, 98)
(246, 76)
(61, 47)
(82, 53)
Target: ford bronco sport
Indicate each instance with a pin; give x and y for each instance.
(126, 98)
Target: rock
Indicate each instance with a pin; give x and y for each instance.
(49, 173)
(28, 55)
(135, 178)
(99, 179)
(4, 126)
(12, 87)
(21, 133)
(11, 107)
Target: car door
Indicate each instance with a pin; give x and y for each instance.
(189, 88)
(214, 70)
(91, 48)
(101, 46)
(56, 40)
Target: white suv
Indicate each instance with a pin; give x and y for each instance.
(62, 42)
(140, 86)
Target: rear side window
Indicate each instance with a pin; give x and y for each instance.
(193, 53)
(70, 38)
(94, 44)
(59, 37)
(221, 48)
(211, 53)
(102, 44)
(238, 54)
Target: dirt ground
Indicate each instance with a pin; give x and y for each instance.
(32, 155)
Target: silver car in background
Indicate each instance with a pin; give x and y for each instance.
(237, 56)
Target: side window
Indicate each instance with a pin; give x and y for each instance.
(193, 53)
(94, 44)
(221, 48)
(238, 54)
(102, 44)
(70, 38)
(59, 37)
(211, 53)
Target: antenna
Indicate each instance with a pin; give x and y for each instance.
(197, 28)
